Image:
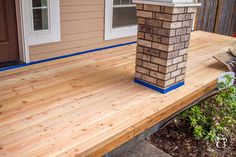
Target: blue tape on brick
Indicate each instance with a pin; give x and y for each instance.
(65, 56)
(163, 91)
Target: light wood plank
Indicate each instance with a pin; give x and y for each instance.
(88, 105)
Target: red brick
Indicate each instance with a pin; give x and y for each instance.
(140, 35)
(139, 6)
(141, 20)
(162, 47)
(187, 23)
(154, 8)
(185, 57)
(183, 70)
(139, 62)
(152, 52)
(187, 44)
(193, 15)
(179, 46)
(189, 30)
(145, 28)
(176, 73)
(146, 14)
(161, 61)
(163, 9)
(142, 70)
(166, 17)
(172, 25)
(168, 69)
(170, 82)
(149, 36)
(157, 38)
(181, 31)
(150, 66)
(139, 48)
(174, 10)
(161, 83)
(139, 56)
(144, 43)
(164, 32)
(159, 75)
(183, 52)
(167, 83)
(185, 37)
(192, 9)
(171, 40)
(149, 79)
(169, 55)
(178, 59)
(181, 65)
(153, 22)
(182, 17)
(146, 57)
(138, 75)
(180, 78)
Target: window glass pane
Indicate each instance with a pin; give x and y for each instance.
(124, 16)
(125, 2)
(40, 19)
(117, 2)
(39, 3)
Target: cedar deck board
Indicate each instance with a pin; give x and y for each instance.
(88, 105)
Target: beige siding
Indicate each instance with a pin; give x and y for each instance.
(82, 28)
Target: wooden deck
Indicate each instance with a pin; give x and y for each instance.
(88, 104)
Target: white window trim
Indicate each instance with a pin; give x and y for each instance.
(53, 34)
(49, 18)
(115, 33)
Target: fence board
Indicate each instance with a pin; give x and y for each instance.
(225, 15)
(217, 16)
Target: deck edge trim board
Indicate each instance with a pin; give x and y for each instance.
(65, 56)
(158, 89)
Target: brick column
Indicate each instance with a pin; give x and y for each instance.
(162, 45)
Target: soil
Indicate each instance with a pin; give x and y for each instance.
(177, 140)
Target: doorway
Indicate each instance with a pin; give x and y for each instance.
(9, 48)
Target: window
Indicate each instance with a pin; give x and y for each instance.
(40, 15)
(42, 21)
(124, 13)
(120, 19)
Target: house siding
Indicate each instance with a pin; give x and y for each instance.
(82, 28)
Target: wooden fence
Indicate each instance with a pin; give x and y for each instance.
(218, 16)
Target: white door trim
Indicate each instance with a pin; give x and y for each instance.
(26, 36)
(22, 42)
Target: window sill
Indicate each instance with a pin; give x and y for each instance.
(122, 32)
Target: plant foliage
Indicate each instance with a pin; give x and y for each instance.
(215, 116)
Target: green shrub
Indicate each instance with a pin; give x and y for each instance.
(214, 116)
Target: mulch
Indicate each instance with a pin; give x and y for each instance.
(177, 140)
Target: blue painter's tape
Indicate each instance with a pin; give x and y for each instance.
(163, 91)
(65, 56)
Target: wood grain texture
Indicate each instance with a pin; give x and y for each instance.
(206, 15)
(225, 16)
(9, 50)
(217, 16)
(88, 105)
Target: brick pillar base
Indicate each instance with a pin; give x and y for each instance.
(163, 41)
